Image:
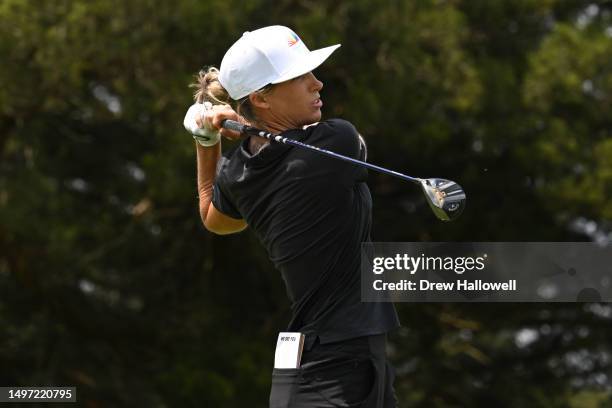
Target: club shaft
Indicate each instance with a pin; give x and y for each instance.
(249, 130)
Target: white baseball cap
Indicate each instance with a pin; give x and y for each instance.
(269, 55)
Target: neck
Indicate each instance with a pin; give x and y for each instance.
(271, 127)
(273, 123)
(256, 143)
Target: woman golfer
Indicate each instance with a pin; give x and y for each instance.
(310, 212)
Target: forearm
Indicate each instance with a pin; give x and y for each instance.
(207, 158)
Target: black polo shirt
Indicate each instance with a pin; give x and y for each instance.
(311, 212)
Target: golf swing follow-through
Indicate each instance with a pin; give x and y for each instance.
(311, 214)
(446, 198)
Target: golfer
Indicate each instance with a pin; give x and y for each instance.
(311, 213)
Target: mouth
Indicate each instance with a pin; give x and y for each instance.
(317, 103)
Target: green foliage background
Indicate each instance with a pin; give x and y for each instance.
(109, 282)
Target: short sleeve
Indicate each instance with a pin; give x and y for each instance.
(340, 136)
(222, 203)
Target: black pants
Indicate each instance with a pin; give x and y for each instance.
(351, 373)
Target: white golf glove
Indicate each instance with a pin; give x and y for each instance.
(205, 136)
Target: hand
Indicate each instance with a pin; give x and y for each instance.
(204, 135)
(203, 121)
(213, 118)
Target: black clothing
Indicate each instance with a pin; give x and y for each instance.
(351, 373)
(311, 213)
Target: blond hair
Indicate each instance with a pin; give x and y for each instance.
(208, 88)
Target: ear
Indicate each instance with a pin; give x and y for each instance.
(258, 100)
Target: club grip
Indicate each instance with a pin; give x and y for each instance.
(232, 125)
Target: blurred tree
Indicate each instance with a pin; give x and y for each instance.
(109, 282)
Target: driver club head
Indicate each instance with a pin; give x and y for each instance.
(446, 198)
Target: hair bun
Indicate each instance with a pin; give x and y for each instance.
(208, 87)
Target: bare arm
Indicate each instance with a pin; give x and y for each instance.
(207, 158)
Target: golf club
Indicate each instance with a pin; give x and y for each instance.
(446, 198)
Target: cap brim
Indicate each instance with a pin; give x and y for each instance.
(312, 60)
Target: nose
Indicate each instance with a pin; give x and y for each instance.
(316, 84)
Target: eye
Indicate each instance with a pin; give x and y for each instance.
(301, 77)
